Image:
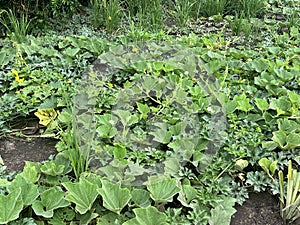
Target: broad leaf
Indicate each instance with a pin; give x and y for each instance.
(262, 104)
(30, 172)
(241, 164)
(282, 105)
(52, 169)
(221, 214)
(143, 109)
(82, 193)
(141, 198)
(51, 199)
(10, 206)
(72, 52)
(29, 191)
(283, 74)
(243, 102)
(259, 65)
(268, 166)
(114, 197)
(186, 195)
(162, 188)
(288, 125)
(172, 166)
(279, 137)
(46, 116)
(147, 216)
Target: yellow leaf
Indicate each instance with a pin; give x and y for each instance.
(17, 78)
(135, 49)
(46, 116)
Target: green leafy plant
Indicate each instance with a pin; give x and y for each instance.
(11, 206)
(289, 194)
(114, 197)
(68, 7)
(147, 215)
(150, 14)
(82, 193)
(268, 166)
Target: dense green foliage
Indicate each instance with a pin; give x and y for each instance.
(153, 128)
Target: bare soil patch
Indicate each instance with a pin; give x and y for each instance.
(259, 209)
(15, 151)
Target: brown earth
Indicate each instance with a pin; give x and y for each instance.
(259, 209)
(15, 151)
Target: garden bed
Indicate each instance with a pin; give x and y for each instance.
(163, 112)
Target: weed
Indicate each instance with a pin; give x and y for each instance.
(15, 27)
(106, 13)
(183, 11)
(212, 7)
(241, 26)
(246, 8)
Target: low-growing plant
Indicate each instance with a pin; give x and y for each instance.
(61, 8)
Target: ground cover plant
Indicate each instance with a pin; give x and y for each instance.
(165, 112)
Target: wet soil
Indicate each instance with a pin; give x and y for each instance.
(15, 151)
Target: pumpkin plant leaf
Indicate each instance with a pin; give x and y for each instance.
(10, 206)
(243, 103)
(141, 198)
(221, 214)
(52, 169)
(114, 197)
(46, 116)
(162, 188)
(82, 193)
(279, 137)
(143, 109)
(268, 166)
(146, 216)
(29, 191)
(186, 195)
(262, 104)
(51, 199)
(30, 172)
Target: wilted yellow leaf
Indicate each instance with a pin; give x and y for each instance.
(46, 116)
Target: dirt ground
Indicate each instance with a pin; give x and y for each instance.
(15, 151)
(259, 209)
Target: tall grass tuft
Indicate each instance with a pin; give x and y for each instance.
(183, 11)
(106, 13)
(16, 27)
